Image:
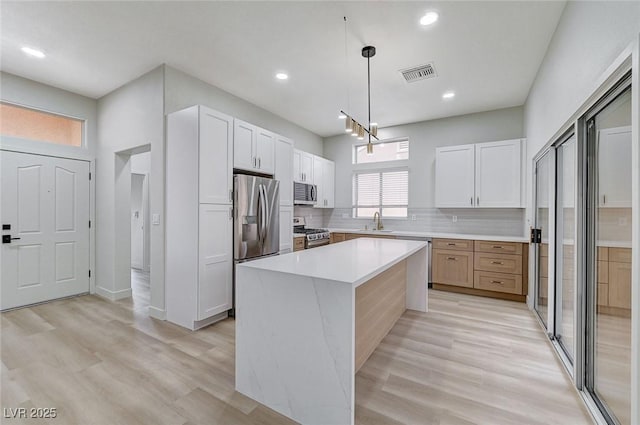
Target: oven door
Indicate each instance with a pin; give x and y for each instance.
(316, 243)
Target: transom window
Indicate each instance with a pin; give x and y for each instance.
(382, 152)
(29, 124)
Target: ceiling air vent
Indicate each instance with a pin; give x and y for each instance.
(418, 73)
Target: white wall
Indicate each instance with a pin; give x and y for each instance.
(130, 117)
(588, 39)
(183, 90)
(424, 137)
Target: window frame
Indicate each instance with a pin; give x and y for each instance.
(379, 164)
(380, 207)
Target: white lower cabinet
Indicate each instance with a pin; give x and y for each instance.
(215, 260)
(286, 230)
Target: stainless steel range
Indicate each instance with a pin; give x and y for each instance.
(313, 237)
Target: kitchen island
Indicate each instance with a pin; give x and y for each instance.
(306, 321)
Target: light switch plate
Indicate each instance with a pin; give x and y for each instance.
(413, 217)
(155, 219)
(454, 218)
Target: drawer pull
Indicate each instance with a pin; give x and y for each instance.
(452, 258)
(497, 262)
(451, 244)
(498, 247)
(499, 282)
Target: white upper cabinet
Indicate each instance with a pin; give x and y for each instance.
(254, 148)
(485, 175)
(216, 157)
(302, 167)
(498, 174)
(614, 167)
(244, 137)
(329, 184)
(455, 167)
(265, 151)
(324, 179)
(284, 169)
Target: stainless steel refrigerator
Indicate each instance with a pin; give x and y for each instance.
(256, 220)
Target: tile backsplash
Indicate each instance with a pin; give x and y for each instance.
(495, 222)
(312, 216)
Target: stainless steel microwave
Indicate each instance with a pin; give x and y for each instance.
(304, 194)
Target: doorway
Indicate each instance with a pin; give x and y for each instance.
(140, 234)
(45, 228)
(543, 179)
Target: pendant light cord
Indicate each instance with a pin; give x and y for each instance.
(369, 94)
(346, 61)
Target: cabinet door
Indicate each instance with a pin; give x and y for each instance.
(455, 177)
(244, 136)
(614, 168)
(297, 160)
(265, 151)
(215, 260)
(286, 229)
(284, 169)
(498, 174)
(453, 268)
(329, 185)
(216, 157)
(620, 285)
(306, 167)
(318, 167)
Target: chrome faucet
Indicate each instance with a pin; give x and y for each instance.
(379, 225)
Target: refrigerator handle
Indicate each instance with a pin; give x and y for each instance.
(262, 220)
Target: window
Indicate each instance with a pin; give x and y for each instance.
(24, 123)
(383, 191)
(382, 152)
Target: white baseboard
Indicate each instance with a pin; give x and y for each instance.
(157, 313)
(113, 295)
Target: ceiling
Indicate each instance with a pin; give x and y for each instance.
(487, 52)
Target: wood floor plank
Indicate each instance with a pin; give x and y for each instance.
(469, 360)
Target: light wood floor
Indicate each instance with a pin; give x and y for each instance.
(470, 360)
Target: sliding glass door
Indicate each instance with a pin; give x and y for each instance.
(565, 230)
(541, 254)
(608, 254)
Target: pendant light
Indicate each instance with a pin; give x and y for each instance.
(352, 126)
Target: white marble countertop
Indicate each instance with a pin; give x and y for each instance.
(299, 235)
(409, 233)
(353, 262)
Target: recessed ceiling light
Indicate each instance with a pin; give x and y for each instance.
(429, 18)
(342, 116)
(448, 95)
(33, 52)
(281, 76)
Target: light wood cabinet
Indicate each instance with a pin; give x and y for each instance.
(337, 237)
(350, 236)
(486, 268)
(451, 267)
(453, 244)
(298, 243)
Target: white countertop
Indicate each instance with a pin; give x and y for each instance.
(409, 233)
(299, 235)
(353, 262)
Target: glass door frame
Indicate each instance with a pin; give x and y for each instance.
(548, 322)
(588, 251)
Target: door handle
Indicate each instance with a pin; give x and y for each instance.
(8, 239)
(259, 162)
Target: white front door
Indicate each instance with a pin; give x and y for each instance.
(45, 228)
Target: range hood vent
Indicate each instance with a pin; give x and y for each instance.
(418, 73)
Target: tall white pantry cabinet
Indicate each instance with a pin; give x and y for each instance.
(199, 216)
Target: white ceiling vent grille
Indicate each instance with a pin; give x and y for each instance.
(418, 73)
